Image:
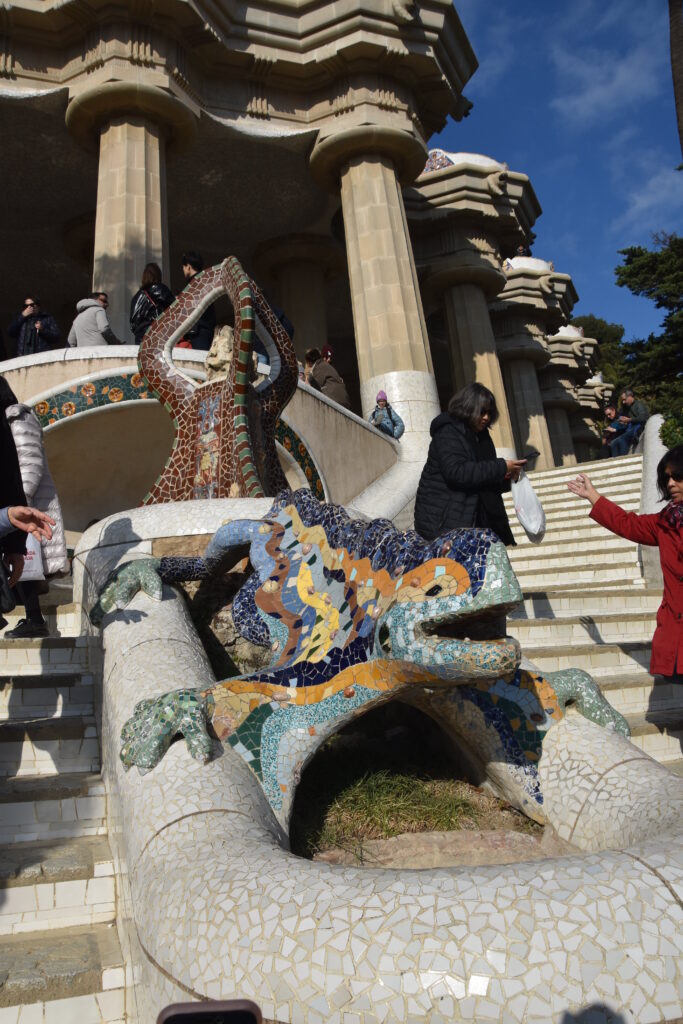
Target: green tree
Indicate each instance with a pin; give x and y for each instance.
(655, 363)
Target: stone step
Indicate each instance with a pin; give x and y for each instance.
(602, 475)
(658, 733)
(56, 884)
(556, 604)
(62, 620)
(633, 692)
(46, 695)
(605, 627)
(49, 746)
(577, 536)
(676, 766)
(596, 469)
(66, 975)
(596, 659)
(555, 558)
(41, 807)
(557, 502)
(619, 573)
(624, 481)
(32, 656)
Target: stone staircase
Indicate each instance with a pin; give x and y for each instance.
(586, 604)
(60, 959)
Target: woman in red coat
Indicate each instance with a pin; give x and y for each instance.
(664, 530)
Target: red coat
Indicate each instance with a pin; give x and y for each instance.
(667, 643)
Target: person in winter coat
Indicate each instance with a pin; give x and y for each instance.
(13, 543)
(91, 328)
(149, 302)
(663, 529)
(33, 330)
(463, 479)
(322, 376)
(40, 490)
(385, 418)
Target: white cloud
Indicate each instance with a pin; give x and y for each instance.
(597, 83)
(653, 204)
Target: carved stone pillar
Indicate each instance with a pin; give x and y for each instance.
(391, 335)
(133, 125)
(533, 303)
(474, 356)
(298, 267)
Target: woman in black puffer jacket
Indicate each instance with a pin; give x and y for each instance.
(149, 302)
(463, 480)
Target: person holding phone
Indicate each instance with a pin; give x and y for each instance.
(663, 529)
(463, 480)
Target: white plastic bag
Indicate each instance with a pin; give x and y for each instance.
(528, 508)
(33, 560)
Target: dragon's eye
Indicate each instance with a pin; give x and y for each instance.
(433, 591)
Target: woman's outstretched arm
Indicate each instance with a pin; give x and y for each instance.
(641, 529)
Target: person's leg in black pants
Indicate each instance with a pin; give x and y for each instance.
(34, 624)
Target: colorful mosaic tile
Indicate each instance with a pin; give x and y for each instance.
(130, 387)
(224, 429)
(354, 613)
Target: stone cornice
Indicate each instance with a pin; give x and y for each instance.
(470, 187)
(207, 47)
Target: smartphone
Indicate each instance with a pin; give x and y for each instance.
(530, 455)
(230, 1011)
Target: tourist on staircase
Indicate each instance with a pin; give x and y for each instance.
(149, 301)
(463, 479)
(39, 489)
(634, 414)
(664, 530)
(385, 418)
(33, 330)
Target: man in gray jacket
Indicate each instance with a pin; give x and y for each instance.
(91, 326)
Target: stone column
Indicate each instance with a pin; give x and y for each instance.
(531, 431)
(368, 164)
(474, 356)
(560, 435)
(133, 124)
(299, 267)
(390, 328)
(131, 222)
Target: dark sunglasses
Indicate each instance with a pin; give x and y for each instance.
(27, 304)
(676, 477)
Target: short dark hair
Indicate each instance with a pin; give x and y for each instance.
(312, 355)
(32, 297)
(194, 260)
(627, 393)
(471, 402)
(151, 275)
(672, 460)
(99, 294)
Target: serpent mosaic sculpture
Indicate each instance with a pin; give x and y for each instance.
(356, 613)
(224, 430)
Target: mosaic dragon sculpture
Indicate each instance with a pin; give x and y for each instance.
(224, 443)
(356, 613)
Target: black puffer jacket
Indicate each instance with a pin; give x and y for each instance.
(462, 482)
(146, 306)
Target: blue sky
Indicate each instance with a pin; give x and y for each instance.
(579, 97)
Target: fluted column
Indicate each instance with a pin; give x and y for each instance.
(131, 221)
(560, 435)
(132, 124)
(390, 328)
(299, 266)
(474, 356)
(529, 423)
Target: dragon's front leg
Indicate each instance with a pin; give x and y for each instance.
(148, 733)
